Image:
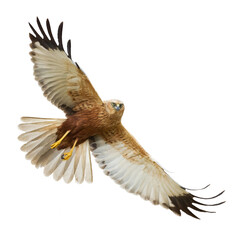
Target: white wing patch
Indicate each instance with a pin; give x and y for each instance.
(40, 134)
(132, 173)
(56, 74)
(140, 175)
(61, 79)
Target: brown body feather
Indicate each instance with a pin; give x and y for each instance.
(87, 122)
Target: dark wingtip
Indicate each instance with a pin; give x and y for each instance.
(69, 49)
(47, 40)
(42, 31)
(52, 40)
(204, 198)
(183, 203)
(37, 19)
(196, 189)
(208, 205)
(186, 202)
(35, 32)
(60, 30)
(31, 37)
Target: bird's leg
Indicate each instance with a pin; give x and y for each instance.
(57, 143)
(67, 155)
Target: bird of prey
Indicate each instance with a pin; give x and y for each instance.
(62, 146)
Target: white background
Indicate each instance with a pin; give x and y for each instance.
(175, 64)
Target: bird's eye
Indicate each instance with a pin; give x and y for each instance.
(113, 104)
(120, 105)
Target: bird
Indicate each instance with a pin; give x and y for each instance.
(63, 147)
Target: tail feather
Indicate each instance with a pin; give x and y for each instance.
(84, 168)
(41, 147)
(35, 123)
(54, 163)
(88, 169)
(39, 134)
(36, 119)
(70, 171)
(46, 158)
(76, 164)
(36, 126)
(63, 166)
(35, 141)
(80, 168)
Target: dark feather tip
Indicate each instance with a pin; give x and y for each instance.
(196, 189)
(47, 40)
(187, 202)
(204, 198)
(69, 49)
(60, 30)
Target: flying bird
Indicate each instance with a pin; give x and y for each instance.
(62, 146)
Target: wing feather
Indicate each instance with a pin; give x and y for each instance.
(62, 81)
(125, 161)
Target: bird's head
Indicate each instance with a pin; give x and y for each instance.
(115, 108)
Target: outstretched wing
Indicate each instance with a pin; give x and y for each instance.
(62, 80)
(125, 161)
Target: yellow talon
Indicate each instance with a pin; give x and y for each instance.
(57, 143)
(67, 155)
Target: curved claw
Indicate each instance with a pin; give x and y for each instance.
(66, 156)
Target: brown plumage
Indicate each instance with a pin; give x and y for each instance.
(88, 122)
(62, 146)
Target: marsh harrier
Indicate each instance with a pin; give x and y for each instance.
(62, 146)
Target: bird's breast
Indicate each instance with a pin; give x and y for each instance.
(83, 125)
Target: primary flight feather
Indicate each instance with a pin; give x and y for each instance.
(62, 146)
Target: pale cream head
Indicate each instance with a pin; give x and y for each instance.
(114, 107)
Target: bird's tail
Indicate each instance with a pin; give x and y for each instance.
(40, 134)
